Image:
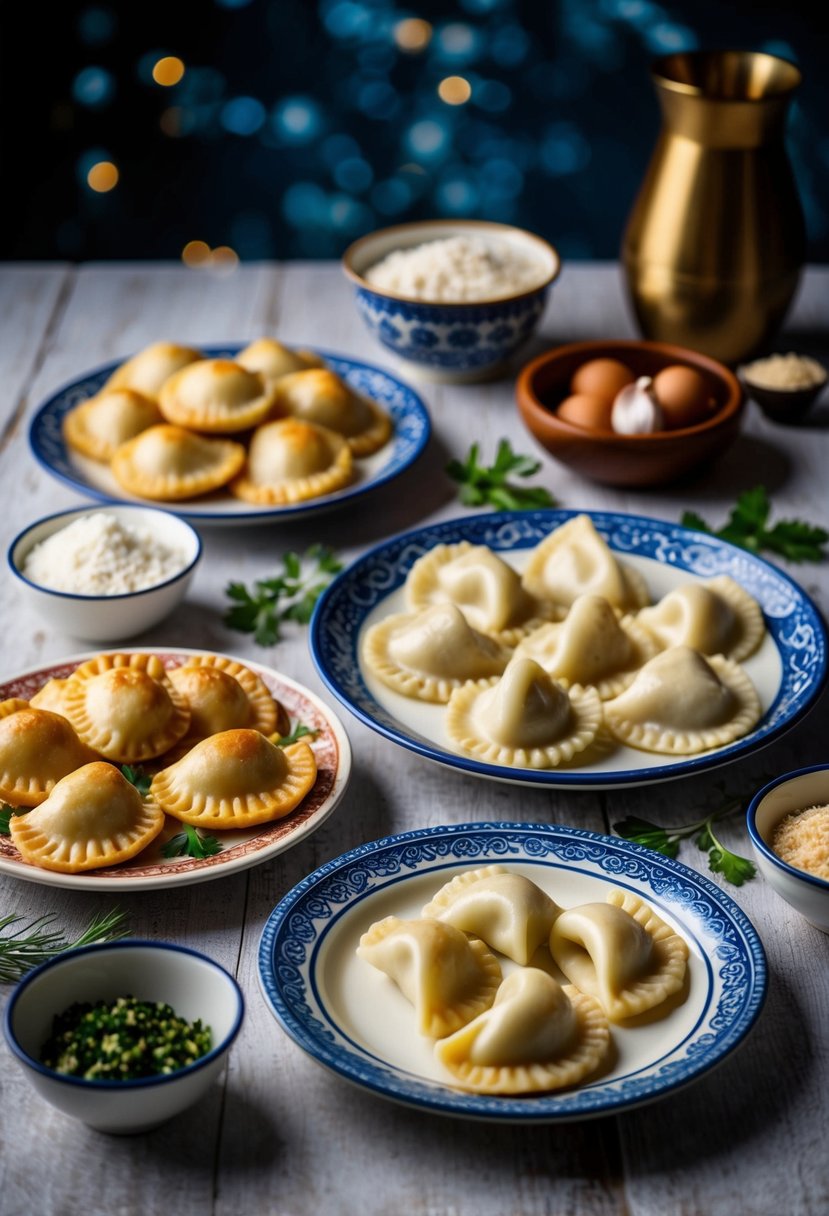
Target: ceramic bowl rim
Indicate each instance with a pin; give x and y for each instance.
(13, 559)
(529, 400)
(461, 306)
(813, 880)
(92, 1086)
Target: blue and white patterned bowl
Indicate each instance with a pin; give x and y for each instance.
(452, 342)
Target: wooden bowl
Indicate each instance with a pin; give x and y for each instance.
(626, 460)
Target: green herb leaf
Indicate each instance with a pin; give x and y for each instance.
(747, 527)
(191, 843)
(734, 869)
(291, 596)
(300, 731)
(648, 834)
(481, 485)
(6, 813)
(30, 945)
(137, 777)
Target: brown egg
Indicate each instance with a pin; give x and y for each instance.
(684, 395)
(601, 378)
(583, 410)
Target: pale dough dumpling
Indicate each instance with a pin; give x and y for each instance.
(321, 396)
(170, 463)
(574, 560)
(537, 1036)
(274, 360)
(148, 370)
(223, 695)
(218, 396)
(682, 703)
(235, 779)
(50, 696)
(291, 461)
(448, 977)
(715, 617)
(37, 748)
(427, 655)
(621, 953)
(504, 909)
(97, 427)
(92, 818)
(524, 719)
(481, 584)
(591, 646)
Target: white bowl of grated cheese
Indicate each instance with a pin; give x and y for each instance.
(104, 574)
(453, 299)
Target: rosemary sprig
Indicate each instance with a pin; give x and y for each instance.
(30, 945)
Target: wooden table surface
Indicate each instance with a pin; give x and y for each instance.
(279, 1134)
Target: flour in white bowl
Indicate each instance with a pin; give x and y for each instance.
(456, 270)
(98, 555)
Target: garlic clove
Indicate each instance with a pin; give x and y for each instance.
(635, 410)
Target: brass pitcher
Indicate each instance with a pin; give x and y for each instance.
(716, 239)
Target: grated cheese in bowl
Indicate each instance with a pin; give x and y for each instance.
(802, 840)
(456, 270)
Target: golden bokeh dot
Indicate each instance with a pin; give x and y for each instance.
(168, 71)
(224, 258)
(454, 90)
(195, 253)
(102, 177)
(414, 34)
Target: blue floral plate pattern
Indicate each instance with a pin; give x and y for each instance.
(308, 944)
(412, 428)
(793, 622)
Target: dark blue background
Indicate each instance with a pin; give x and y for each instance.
(301, 124)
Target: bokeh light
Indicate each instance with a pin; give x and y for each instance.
(168, 70)
(413, 34)
(102, 177)
(93, 87)
(297, 119)
(224, 259)
(454, 90)
(196, 254)
(243, 116)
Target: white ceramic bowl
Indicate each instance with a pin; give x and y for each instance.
(191, 983)
(108, 618)
(794, 791)
(451, 342)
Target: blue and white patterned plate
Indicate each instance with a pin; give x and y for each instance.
(789, 670)
(412, 427)
(352, 1018)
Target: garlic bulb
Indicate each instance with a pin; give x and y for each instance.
(635, 409)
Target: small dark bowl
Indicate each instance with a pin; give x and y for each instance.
(786, 405)
(627, 460)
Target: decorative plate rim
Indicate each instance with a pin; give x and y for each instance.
(382, 570)
(213, 867)
(345, 880)
(57, 404)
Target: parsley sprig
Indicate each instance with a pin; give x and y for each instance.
(483, 485)
(27, 946)
(136, 776)
(747, 526)
(289, 596)
(6, 813)
(191, 843)
(300, 731)
(734, 868)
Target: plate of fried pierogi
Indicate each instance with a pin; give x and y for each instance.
(232, 434)
(567, 648)
(139, 769)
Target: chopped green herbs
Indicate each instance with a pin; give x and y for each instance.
(137, 777)
(300, 731)
(123, 1039)
(747, 527)
(191, 843)
(29, 945)
(490, 485)
(290, 596)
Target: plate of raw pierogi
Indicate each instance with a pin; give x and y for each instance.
(570, 649)
(512, 972)
(231, 434)
(140, 769)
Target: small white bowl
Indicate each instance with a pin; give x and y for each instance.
(453, 342)
(191, 983)
(109, 618)
(795, 791)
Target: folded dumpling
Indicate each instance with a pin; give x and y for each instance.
(715, 617)
(485, 588)
(619, 952)
(148, 370)
(523, 719)
(171, 463)
(574, 560)
(218, 396)
(92, 818)
(448, 977)
(291, 461)
(235, 779)
(506, 910)
(427, 655)
(37, 748)
(273, 360)
(320, 396)
(682, 703)
(591, 646)
(99, 425)
(50, 696)
(536, 1036)
(223, 694)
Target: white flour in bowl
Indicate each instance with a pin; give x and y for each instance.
(456, 270)
(98, 555)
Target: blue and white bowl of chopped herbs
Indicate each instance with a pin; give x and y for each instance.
(161, 1019)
